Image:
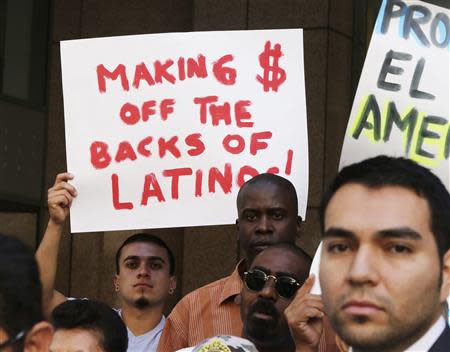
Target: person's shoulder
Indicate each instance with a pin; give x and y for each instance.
(212, 286)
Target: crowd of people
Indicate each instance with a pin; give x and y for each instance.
(384, 276)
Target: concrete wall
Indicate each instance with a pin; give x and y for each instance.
(203, 254)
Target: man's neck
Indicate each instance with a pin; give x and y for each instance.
(141, 321)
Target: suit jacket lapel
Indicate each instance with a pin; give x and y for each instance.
(442, 344)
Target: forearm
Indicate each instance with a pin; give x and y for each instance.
(47, 259)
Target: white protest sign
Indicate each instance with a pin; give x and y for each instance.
(402, 104)
(163, 129)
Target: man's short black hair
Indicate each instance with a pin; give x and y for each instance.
(94, 316)
(268, 178)
(20, 288)
(146, 238)
(390, 171)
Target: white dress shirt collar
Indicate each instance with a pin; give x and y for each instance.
(427, 340)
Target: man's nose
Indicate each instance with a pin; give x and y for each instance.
(269, 291)
(264, 224)
(363, 268)
(143, 270)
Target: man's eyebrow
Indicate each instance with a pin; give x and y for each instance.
(401, 233)
(338, 232)
(398, 232)
(285, 273)
(277, 274)
(274, 208)
(268, 272)
(277, 208)
(152, 258)
(243, 210)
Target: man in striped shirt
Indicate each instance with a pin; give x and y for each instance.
(267, 215)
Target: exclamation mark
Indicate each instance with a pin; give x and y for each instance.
(288, 168)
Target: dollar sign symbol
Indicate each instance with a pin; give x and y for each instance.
(274, 75)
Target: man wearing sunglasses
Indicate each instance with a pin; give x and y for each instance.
(267, 215)
(22, 326)
(385, 265)
(270, 285)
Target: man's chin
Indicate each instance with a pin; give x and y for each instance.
(261, 328)
(264, 335)
(362, 334)
(142, 303)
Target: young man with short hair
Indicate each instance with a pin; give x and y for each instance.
(144, 272)
(385, 266)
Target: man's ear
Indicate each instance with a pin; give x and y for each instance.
(39, 338)
(237, 229)
(445, 286)
(173, 283)
(116, 282)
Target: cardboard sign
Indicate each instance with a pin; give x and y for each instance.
(402, 104)
(163, 129)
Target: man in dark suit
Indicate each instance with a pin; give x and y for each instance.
(385, 266)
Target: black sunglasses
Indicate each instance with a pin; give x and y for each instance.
(13, 340)
(286, 286)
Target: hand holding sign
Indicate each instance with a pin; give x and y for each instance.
(60, 198)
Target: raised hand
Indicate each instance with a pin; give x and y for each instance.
(304, 316)
(60, 198)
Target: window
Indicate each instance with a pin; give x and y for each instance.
(23, 48)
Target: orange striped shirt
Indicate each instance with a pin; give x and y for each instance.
(208, 311)
(214, 309)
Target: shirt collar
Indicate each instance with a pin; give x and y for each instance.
(158, 328)
(233, 285)
(427, 340)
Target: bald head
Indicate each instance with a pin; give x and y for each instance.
(261, 180)
(267, 214)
